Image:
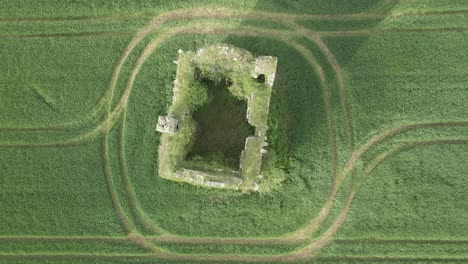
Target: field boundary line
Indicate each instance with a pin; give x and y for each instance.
(72, 35)
(399, 241)
(164, 240)
(99, 130)
(124, 17)
(397, 259)
(62, 238)
(232, 258)
(373, 32)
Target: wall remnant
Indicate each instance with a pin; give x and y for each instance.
(214, 61)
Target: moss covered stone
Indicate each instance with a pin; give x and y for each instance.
(250, 79)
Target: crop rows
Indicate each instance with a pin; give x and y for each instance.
(115, 116)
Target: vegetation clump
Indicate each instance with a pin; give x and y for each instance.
(197, 95)
(243, 85)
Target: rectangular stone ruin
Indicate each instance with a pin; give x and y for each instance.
(228, 59)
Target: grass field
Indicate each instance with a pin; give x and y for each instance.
(372, 96)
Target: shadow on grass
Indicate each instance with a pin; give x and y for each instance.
(297, 107)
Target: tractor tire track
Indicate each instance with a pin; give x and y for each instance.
(317, 245)
(374, 259)
(215, 29)
(63, 239)
(339, 77)
(140, 35)
(101, 129)
(144, 55)
(188, 240)
(157, 257)
(309, 251)
(111, 188)
(397, 150)
(133, 202)
(294, 16)
(175, 239)
(401, 241)
(123, 104)
(217, 13)
(373, 32)
(374, 141)
(208, 12)
(72, 35)
(350, 166)
(128, 228)
(327, 99)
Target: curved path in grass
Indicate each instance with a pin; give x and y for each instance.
(117, 113)
(215, 12)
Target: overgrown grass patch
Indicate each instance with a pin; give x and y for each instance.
(222, 127)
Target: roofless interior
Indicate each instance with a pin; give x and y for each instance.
(222, 127)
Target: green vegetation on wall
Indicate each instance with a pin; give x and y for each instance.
(197, 95)
(219, 74)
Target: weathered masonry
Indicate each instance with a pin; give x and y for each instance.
(177, 128)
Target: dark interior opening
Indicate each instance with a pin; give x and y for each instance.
(222, 127)
(261, 78)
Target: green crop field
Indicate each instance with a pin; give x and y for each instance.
(368, 118)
